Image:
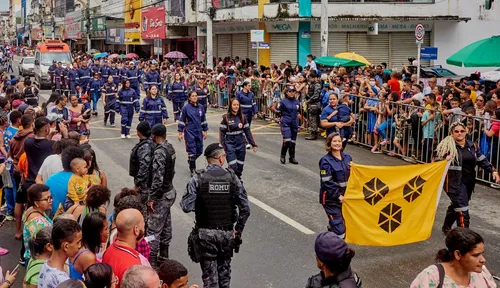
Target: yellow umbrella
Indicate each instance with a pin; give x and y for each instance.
(353, 56)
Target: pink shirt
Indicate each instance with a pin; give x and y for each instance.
(430, 278)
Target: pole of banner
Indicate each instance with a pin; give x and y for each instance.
(419, 45)
(258, 47)
(209, 53)
(324, 28)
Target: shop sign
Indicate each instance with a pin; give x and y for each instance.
(282, 27)
(201, 30)
(132, 16)
(48, 31)
(153, 23)
(428, 53)
(356, 26)
(36, 33)
(262, 45)
(257, 36)
(96, 24)
(73, 29)
(115, 36)
(232, 28)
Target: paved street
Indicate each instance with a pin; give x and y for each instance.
(278, 241)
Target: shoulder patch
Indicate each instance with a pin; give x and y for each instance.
(323, 172)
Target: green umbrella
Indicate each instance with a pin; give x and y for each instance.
(123, 56)
(482, 53)
(336, 62)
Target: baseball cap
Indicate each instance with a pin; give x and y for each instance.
(290, 88)
(212, 149)
(326, 85)
(22, 107)
(131, 63)
(329, 247)
(144, 128)
(471, 83)
(159, 130)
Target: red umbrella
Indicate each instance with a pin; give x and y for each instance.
(132, 55)
(176, 55)
(113, 56)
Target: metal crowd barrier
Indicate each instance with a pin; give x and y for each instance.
(408, 139)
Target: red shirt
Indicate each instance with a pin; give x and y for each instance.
(120, 258)
(495, 127)
(394, 84)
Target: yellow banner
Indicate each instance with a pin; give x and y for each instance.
(392, 205)
(132, 16)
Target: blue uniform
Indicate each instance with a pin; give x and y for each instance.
(51, 73)
(58, 75)
(72, 76)
(95, 92)
(116, 75)
(127, 102)
(334, 174)
(192, 122)
(152, 78)
(83, 78)
(122, 73)
(247, 104)
(178, 94)
(233, 130)
(289, 109)
(153, 110)
(202, 95)
(133, 76)
(110, 91)
(96, 69)
(104, 74)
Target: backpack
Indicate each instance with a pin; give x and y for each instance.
(441, 275)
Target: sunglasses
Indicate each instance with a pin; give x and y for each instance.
(458, 131)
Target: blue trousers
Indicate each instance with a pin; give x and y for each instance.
(248, 117)
(137, 90)
(194, 143)
(127, 116)
(289, 133)
(72, 88)
(177, 109)
(10, 197)
(334, 212)
(384, 128)
(95, 98)
(236, 153)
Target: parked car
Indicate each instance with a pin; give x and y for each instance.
(27, 66)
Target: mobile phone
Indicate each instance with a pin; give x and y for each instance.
(16, 268)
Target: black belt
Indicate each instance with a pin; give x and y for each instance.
(223, 228)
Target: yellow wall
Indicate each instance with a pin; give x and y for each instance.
(264, 54)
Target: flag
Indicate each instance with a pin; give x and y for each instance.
(392, 205)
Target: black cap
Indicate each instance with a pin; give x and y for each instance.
(329, 247)
(212, 149)
(159, 130)
(144, 128)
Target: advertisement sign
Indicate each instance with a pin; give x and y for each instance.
(257, 36)
(262, 45)
(282, 27)
(356, 26)
(233, 28)
(132, 16)
(428, 53)
(115, 36)
(201, 31)
(36, 33)
(153, 23)
(72, 29)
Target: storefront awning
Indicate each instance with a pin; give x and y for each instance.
(369, 18)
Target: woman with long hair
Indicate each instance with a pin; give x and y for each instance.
(153, 109)
(177, 93)
(233, 130)
(460, 263)
(127, 101)
(289, 109)
(192, 125)
(94, 233)
(335, 169)
(461, 179)
(96, 175)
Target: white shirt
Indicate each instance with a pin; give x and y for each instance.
(312, 65)
(50, 277)
(50, 166)
(427, 90)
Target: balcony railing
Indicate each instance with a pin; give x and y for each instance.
(223, 4)
(375, 1)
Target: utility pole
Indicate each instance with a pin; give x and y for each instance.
(88, 25)
(324, 28)
(53, 18)
(209, 52)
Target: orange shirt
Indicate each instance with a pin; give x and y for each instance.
(23, 165)
(394, 84)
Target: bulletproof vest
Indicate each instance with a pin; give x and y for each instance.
(169, 166)
(215, 205)
(134, 158)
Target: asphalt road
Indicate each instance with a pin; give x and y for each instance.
(278, 241)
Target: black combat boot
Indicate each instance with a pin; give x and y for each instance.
(284, 148)
(192, 166)
(312, 136)
(292, 155)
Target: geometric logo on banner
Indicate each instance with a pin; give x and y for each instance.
(413, 189)
(374, 190)
(390, 217)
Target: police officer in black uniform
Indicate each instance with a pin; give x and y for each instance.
(140, 161)
(219, 200)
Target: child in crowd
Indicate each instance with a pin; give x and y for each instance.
(78, 183)
(41, 250)
(86, 110)
(401, 130)
(174, 274)
(429, 120)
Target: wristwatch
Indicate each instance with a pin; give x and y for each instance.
(8, 282)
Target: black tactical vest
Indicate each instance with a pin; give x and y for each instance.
(133, 167)
(215, 207)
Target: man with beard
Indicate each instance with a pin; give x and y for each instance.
(122, 254)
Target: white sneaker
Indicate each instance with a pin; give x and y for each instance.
(128, 136)
(123, 136)
(249, 146)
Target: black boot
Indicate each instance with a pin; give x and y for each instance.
(292, 155)
(192, 166)
(284, 148)
(312, 136)
(163, 254)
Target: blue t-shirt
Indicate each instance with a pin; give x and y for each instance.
(327, 111)
(8, 134)
(58, 184)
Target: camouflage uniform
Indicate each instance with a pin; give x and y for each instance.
(217, 243)
(162, 194)
(314, 110)
(140, 161)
